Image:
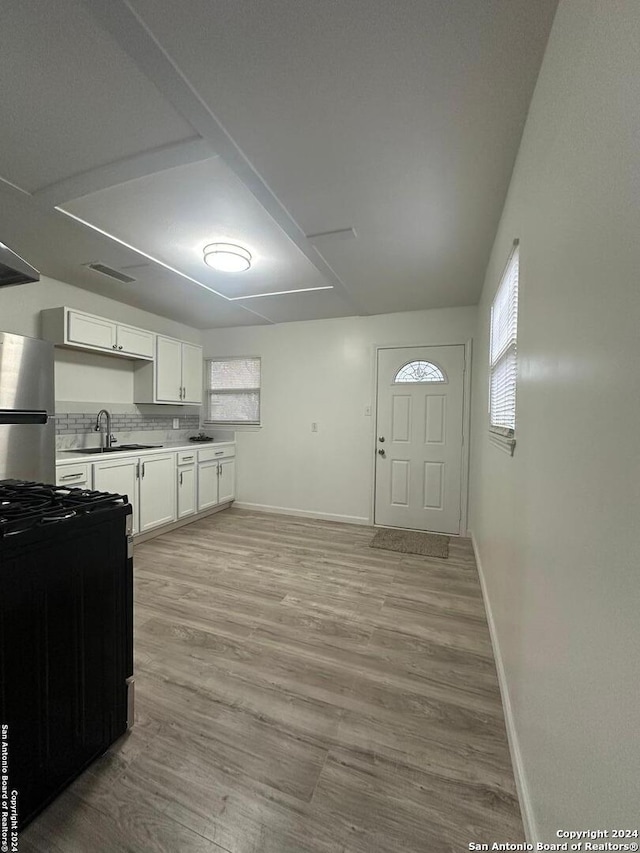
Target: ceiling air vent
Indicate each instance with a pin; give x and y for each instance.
(105, 270)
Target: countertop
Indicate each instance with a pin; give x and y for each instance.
(66, 456)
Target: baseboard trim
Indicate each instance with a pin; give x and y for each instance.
(303, 513)
(526, 809)
(174, 525)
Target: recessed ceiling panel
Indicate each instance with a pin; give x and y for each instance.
(317, 305)
(60, 248)
(71, 99)
(173, 215)
(401, 119)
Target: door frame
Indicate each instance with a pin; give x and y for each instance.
(466, 426)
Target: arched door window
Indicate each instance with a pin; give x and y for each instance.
(420, 371)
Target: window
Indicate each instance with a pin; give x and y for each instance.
(233, 391)
(419, 371)
(503, 356)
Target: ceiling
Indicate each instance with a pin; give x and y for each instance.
(136, 132)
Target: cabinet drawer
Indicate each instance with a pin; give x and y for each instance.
(216, 453)
(187, 457)
(71, 475)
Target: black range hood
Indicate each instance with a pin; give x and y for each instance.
(15, 270)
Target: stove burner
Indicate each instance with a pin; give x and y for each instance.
(24, 504)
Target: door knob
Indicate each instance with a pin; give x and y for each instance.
(381, 452)
(381, 438)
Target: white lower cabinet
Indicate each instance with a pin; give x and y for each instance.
(157, 490)
(161, 487)
(187, 493)
(119, 476)
(207, 484)
(149, 484)
(227, 480)
(74, 476)
(216, 477)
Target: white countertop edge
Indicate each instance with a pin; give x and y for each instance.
(65, 457)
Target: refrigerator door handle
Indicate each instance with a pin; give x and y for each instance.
(18, 416)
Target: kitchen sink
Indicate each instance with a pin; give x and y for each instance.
(119, 449)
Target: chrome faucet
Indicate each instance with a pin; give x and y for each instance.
(107, 440)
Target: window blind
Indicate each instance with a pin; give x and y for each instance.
(503, 350)
(233, 386)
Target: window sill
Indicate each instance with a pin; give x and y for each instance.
(233, 427)
(506, 443)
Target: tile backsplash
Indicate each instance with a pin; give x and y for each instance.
(73, 423)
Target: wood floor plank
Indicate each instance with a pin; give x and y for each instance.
(299, 692)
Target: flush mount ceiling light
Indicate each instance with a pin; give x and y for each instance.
(227, 257)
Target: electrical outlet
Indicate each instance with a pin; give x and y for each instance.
(314, 427)
(176, 423)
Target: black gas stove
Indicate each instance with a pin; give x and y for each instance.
(25, 505)
(66, 634)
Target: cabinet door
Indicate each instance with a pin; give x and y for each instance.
(134, 341)
(227, 480)
(91, 331)
(192, 373)
(207, 484)
(119, 476)
(186, 490)
(157, 490)
(168, 370)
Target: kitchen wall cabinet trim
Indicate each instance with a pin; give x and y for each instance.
(79, 330)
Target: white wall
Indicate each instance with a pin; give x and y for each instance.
(322, 371)
(80, 376)
(557, 525)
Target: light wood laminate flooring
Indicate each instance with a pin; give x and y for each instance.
(299, 692)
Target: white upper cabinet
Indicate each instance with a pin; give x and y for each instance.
(191, 373)
(168, 370)
(90, 331)
(174, 377)
(71, 328)
(134, 341)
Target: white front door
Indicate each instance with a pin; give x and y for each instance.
(419, 438)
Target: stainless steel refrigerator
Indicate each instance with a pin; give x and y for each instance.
(27, 425)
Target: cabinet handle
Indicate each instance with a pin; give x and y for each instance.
(115, 346)
(138, 471)
(219, 452)
(71, 476)
(184, 392)
(143, 464)
(180, 393)
(187, 458)
(180, 477)
(219, 469)
(119, 347)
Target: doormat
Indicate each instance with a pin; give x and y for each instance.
(410, 542)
